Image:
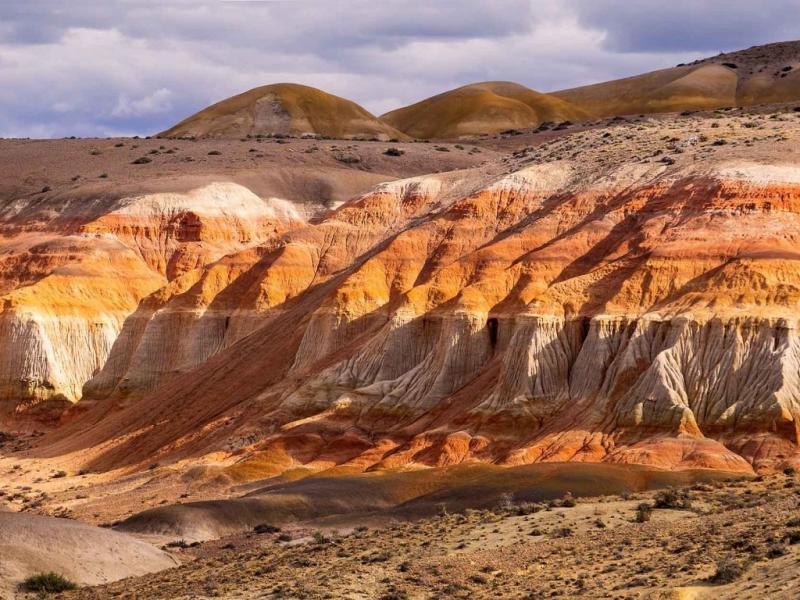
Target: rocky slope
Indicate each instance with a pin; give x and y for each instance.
(81, 259)
(623, 294)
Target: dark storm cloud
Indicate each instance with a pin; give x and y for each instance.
(103, 68)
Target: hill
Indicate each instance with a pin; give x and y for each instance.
(283, 108)
(480, 108)
(758, 75)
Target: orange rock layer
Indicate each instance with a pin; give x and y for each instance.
(646, 315)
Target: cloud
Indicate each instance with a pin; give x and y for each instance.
(158, 102)
(91, 68)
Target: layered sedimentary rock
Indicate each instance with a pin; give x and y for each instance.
(75, 271)
(641, 313)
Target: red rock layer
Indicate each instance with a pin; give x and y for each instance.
(643, 315)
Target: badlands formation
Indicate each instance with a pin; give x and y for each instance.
(242, 323)
(622, 293)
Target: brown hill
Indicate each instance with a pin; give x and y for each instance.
(283, 108)
(758, 75)
(480, 108)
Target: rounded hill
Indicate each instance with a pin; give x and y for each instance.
(284, 109)
(480, 108)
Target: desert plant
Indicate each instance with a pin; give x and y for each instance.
(643, 512)
(142, 160)
(394, 152)
(320, 537)
(50, 582)
(672, 498)
(728, 570)
(568, 501)
(266, 528)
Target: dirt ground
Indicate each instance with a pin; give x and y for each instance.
(735, 539)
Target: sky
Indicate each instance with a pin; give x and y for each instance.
(109, 68)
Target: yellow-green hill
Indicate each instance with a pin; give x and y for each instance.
(283, 108)
(480, 108)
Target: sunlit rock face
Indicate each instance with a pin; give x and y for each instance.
(73, 272)
(640, 313)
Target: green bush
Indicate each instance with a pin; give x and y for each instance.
(50, 582)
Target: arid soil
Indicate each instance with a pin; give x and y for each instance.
(721, 540)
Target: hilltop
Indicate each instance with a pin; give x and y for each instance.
(480, 108)
(283, 109)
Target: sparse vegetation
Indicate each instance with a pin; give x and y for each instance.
(644, 512)
(50, 583)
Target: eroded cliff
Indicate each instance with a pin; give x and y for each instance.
(626, 294)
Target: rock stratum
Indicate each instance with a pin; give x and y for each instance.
(625, 294)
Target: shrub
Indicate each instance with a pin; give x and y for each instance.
(728, 570)
(568, 501)
(266, 528)
(394, 152)
(320, 537)
(671, 498)
(776, 550)
(643, 512)
(789, 471)
(51, 583)
(142, 160)
(214, 153)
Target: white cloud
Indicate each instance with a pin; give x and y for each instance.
(106, 68)
(158, 102)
